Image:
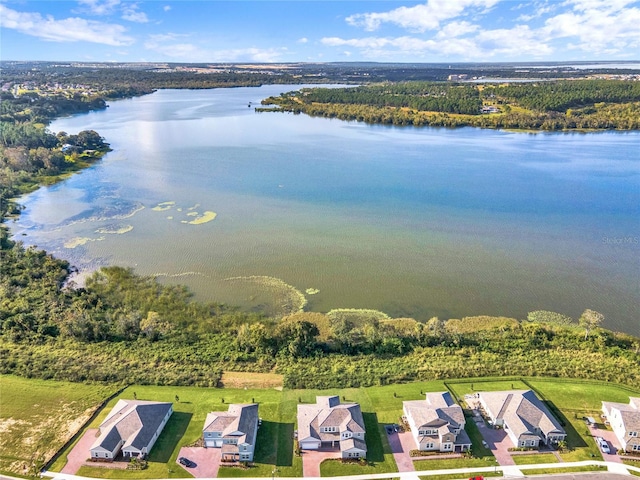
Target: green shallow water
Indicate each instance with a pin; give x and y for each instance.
(413, 222)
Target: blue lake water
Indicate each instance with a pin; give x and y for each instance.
(414, 222)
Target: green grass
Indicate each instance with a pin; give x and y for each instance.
(37, 417)
(447, 463)
(380, 406)
(534, 458)
(542, 471)
(477, 449)
(459, 476)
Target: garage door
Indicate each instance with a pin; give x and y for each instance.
(309, 446)
(214, 443)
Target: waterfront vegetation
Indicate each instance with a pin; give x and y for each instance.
(380, 405)
(121, 328)
(556, 105)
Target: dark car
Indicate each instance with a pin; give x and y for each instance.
(186, 462)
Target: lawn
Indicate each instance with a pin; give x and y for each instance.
(37, 417)
(534, 458)
(543, 471)
(379, 456)
(459, 476)
(448, 463)
(569, 400)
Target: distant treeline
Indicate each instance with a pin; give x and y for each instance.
(561, 105)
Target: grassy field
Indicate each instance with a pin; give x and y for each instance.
(458, 476)
(543, 471)
(447, 463)
(534, 458)
(37, 417)
(61, 407)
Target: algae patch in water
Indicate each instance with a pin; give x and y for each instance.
(115, 229)
(79, 241)
(163, 206)
(204, 218)
(272, 295)
(312, 291)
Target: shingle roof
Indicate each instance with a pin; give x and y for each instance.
(350, 443)
(629, 414)
(522, 411)
(240, 421)
(134, 421)
(347, 417)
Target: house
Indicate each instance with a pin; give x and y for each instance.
(437, 423)
(132, 426)
(523, 416)
(331, 424)
(625, 422)
(234, 431)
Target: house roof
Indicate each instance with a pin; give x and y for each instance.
(329, 412)
(134, 421)
(240, 421)
(437, 411)
(353, 443)
(522, 411)
(629, 414)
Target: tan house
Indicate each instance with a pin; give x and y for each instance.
(523, 416)
(625, 422)
(331, 424)
(234, 431)
(132, 427)
(437, 423)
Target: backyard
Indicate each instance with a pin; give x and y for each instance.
(66, 406)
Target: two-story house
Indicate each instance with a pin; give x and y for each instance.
(132, 427)
(625, 422)
(437, 423)
(523, 416)
(331, 424)
(233, 431)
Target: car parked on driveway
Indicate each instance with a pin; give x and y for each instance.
(602, 443)
(187, 463)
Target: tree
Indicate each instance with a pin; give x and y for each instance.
(589, 320)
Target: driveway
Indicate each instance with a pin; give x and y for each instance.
(206, 459)
(311, 460)
(612, 440)
(80, 453)
(401, 444)
(499, 443)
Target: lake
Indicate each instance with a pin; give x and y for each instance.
(255, 209)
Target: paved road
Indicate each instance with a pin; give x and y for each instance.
(458, 471)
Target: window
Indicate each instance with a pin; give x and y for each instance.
(429, 445)
(633, 434)
(523, 443)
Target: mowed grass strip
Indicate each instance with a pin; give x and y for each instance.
(543, 471)
(37, 417)
(534, 458)
(448, 463)
(460, 476)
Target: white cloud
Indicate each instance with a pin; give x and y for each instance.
(132, 13)
(71, 29)
(420, 18)
(303, 40)
(188, 52)
(599, 28)
(166, 8)
(100, 7)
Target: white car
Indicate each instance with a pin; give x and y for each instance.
(602, 443)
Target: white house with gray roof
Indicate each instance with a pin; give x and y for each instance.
(625, 421)
(523, 416)
(234, 431)
(331, 424)
(437, 423)
(132, 427)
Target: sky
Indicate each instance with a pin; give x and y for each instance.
(319, 31)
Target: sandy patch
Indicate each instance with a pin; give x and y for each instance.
(163, 206)
(204, 218)
(79, 241)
